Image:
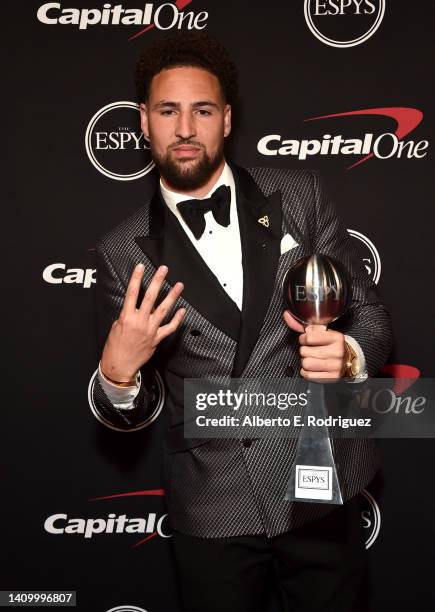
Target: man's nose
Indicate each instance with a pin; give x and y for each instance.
(185, 127)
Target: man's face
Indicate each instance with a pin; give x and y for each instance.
(186, 119)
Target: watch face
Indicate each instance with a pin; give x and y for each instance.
(354, 367)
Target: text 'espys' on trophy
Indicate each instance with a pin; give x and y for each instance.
(316, 291)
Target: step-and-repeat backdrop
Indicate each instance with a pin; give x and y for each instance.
(341, 86)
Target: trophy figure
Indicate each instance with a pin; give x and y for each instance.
(316, 291)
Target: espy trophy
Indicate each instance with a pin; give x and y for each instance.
(316, 291)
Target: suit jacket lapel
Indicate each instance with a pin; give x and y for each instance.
(168, 244)
(260, 255)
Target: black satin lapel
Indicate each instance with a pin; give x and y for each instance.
(152, 244)
(201, 287)
(260, 255)
(202, 290)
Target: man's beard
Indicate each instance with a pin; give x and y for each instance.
(186, 173)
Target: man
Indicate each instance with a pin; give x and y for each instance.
(191, 285)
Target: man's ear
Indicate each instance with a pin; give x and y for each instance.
(144, 119)
(227, 120)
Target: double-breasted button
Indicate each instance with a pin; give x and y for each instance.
(289, 371)
(246, 442)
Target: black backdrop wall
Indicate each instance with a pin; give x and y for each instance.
(364, 72)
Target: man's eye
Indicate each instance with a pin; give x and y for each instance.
(203, 112)
(167, 112)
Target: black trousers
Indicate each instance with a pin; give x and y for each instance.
(321, 566)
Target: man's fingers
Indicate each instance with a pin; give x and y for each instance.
(293, 323)
(153, 290)
(317, 338)
(133, 287)
(321, 352)
(164, 307)
(170, 327)
(321, 377)
(316, 327)
(311, 364)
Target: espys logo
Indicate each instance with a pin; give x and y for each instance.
(371, 258)
(115, 143)
(385, 146)
(126, 609)
(112, 524)
(371, 517)
(343, 23)
(58, 274)
(167, 16)
(158, 402)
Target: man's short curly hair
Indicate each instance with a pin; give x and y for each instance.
(187, 49)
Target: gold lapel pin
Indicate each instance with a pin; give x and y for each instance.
(264, 221)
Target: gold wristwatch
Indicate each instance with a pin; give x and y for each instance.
(352, 362)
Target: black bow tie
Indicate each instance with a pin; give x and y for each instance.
(193, 211)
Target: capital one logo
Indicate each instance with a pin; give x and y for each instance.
(386, 145)
(112, 524)
(371, 258)
(343, 23)
(167, 16)
(58, 274)
(146, 527)
(115, 144)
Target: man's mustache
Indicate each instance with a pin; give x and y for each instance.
(192, 143)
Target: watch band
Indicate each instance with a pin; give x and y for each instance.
(352, 362)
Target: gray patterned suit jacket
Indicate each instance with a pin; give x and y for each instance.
(222, 487)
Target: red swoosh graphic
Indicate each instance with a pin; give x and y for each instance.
(180, 4)
(407, 119)
(152, 535)
(158, 492)
(404, 375)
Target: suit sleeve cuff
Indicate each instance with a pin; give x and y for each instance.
(121, 397)
(362, 373)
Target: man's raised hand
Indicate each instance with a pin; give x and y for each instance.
(135, 335)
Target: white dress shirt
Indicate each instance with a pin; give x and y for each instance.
(220, 248)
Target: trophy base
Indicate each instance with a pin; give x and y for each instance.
(313, 477)
(314, 483)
